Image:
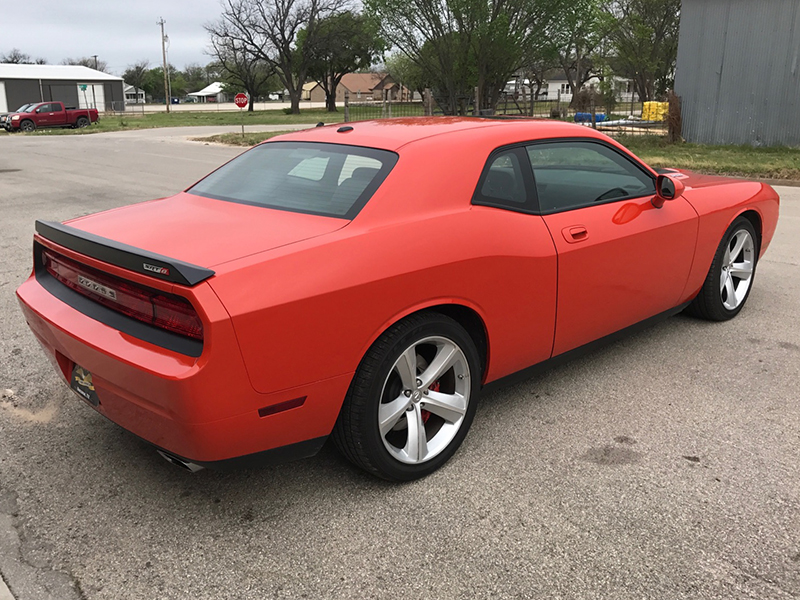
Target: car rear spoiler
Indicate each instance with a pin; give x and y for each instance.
(122, 255)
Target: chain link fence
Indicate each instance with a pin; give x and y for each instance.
(620, 118)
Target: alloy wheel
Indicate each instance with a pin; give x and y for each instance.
(737, 269)
(424, 400)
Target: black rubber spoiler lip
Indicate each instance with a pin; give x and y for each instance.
(122, 255)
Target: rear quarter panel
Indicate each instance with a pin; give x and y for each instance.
(309, 312)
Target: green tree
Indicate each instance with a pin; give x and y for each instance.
(582, 28)
(344, 43)
(406, 72)
(136, 74)
(153, 82)
(195, 76)
(463, 44)
(644, 43)
(541, 58)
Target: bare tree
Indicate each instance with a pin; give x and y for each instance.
(87, 61)
(267, 29)
(18, 57)
(240, 65)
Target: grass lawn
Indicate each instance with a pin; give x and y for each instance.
(237, 139)
(741, 161)
(192, 119)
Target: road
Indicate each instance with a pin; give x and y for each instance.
(664, 466)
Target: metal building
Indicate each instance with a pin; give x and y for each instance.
(738, 71)
(73, 85)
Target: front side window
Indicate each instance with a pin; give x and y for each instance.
(573, 174)
(324, 179)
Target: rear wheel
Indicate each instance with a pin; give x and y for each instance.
(82, 122)
(27, 125)
(730, 279)
(412, 399)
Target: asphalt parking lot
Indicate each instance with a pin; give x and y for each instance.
(664, 466)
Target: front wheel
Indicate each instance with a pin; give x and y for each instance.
(27, 125)
(412, 399)
(730, 278)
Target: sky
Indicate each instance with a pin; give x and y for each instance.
(120, 33)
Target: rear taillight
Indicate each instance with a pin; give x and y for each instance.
(150, 306)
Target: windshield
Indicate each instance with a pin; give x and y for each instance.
(332, 180)
(27, 108)
(23, 107)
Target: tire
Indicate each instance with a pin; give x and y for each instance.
(82, 122)
(27, 125)
(730, 278)
(426, 361)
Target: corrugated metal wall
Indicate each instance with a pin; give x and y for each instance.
(738, 71)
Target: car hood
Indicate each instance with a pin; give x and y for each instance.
(698, 180)
(203, 231)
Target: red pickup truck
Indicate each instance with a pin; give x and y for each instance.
(50, 114)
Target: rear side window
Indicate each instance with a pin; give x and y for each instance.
(503, 180)
(573, 174)
(506, 181)
(323, 179)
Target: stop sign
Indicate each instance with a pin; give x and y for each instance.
(240, 100)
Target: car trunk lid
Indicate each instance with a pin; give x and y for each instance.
(203, 231)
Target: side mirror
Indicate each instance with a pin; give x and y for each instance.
(667, 189)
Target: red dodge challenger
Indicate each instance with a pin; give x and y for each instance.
(366, 282)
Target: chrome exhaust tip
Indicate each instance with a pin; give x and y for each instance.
(179, 462)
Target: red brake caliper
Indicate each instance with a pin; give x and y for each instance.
(425, 414)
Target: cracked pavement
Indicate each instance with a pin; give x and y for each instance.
(666, 465)
(26, 564)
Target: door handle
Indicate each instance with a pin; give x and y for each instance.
(575, 233)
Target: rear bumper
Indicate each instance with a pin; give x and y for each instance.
(201, 409)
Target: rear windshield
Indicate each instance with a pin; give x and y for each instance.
(332, 180)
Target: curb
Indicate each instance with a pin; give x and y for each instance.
(5, 593)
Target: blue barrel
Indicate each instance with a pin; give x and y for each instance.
(585, 117)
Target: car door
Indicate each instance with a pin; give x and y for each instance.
(44, 115)
(620, 259)
(58, 114)
(524, 258)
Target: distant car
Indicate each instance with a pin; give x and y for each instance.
(368, 281)
(50, 114)
(4, 116)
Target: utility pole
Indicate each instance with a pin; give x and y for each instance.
(161, 22)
